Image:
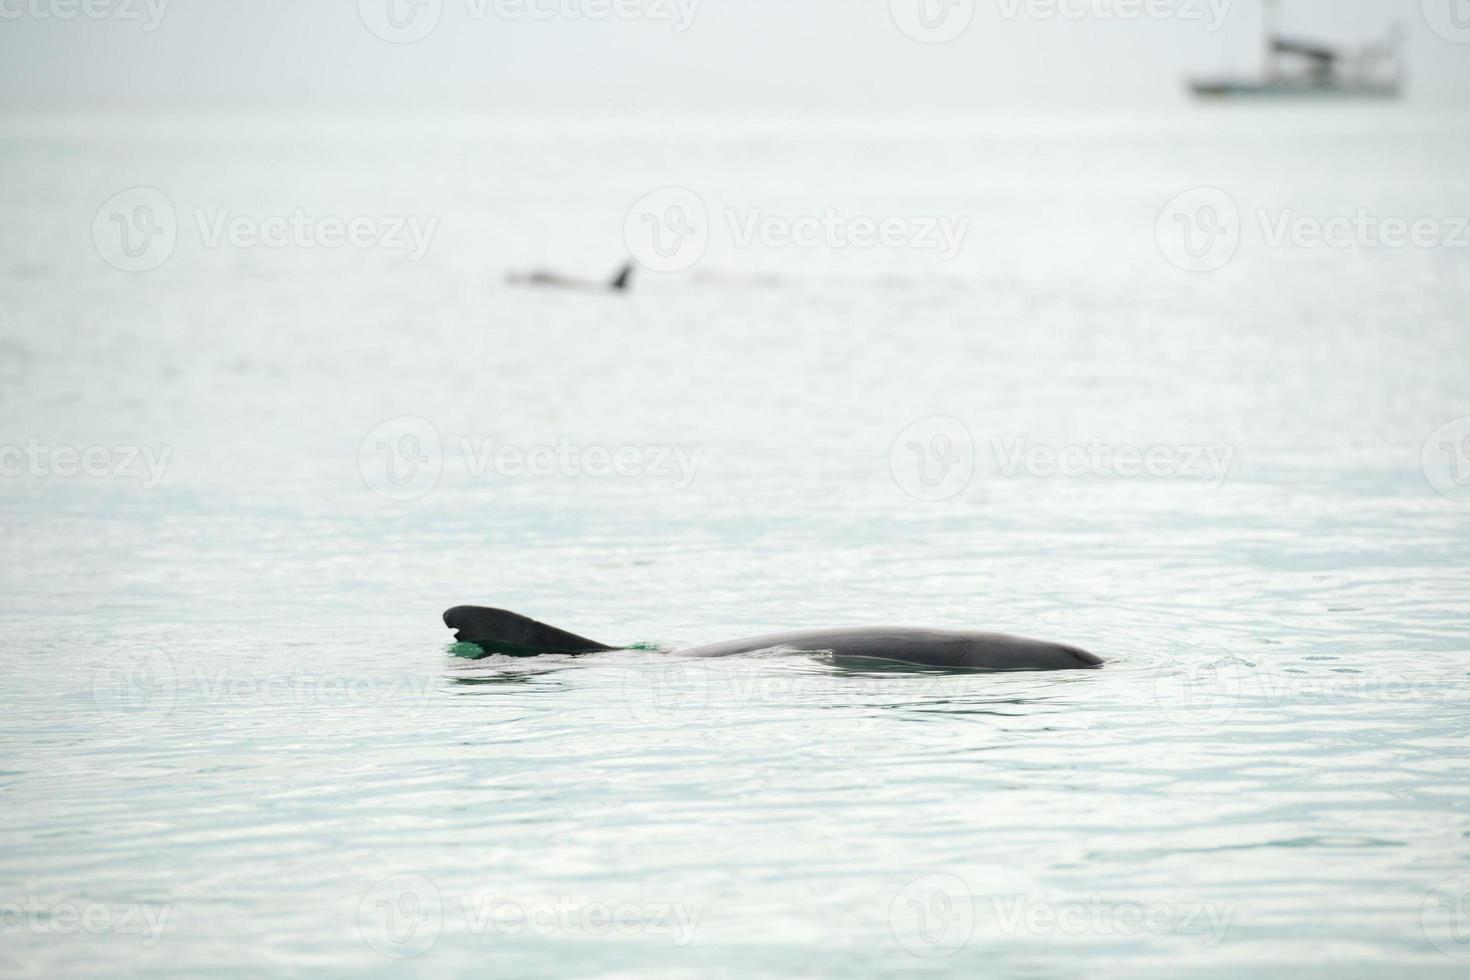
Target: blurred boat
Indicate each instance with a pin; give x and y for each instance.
(1296, 68)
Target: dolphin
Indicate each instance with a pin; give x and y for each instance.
(541, 277)
(500, 631)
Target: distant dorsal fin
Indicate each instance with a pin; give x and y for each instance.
(624, 278)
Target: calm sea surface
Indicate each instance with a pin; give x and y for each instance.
(242, 480)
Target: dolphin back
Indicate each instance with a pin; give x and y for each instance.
(954, 649)
(505, 632)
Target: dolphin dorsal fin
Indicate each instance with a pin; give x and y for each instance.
(624, 278)
(503, 629)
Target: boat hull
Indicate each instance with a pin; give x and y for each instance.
(1241, 89)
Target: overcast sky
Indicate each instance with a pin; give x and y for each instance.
(650, 55)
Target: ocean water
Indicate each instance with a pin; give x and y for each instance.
(237, 738)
